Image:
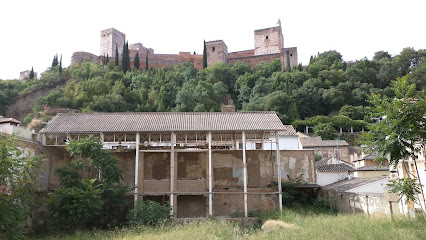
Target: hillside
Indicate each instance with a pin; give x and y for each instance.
(322, 88)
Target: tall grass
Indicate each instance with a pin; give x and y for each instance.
(311, 224)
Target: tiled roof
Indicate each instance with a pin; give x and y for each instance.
(318, 142)
(164, 122)
(334, 168)
(9, 120)
(289, 131)
(373, 168)
(347, 184)
(367, 157)
(325, 161)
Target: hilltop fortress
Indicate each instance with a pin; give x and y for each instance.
(268, 45)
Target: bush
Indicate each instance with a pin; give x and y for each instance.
(19, 173)
(149, 213)
(87, 202)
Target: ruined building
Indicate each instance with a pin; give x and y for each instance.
(199, 162)
(268, 45)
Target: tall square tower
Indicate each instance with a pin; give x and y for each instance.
(268, 41)
(111, 39)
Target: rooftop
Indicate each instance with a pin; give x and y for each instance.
(372, 168)
(347, 184)
(164, 122)
(334, 168)
(9, 120)
(318, 142)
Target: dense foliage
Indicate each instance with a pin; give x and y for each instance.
(322, 88)
(90, 193)
(401, 134)
(18, 178)
(149, 213)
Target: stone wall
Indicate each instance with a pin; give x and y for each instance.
(217, 52)
(353, 203)
(191, 177)
(78, 57)
(110, 40)
(268, 41)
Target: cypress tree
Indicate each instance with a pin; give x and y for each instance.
(136, 63)
(106, 59)
(60, 66)
(55, 61)
(125, 58)
(116, 55)
(32, 73)
(146, 61)
(205, 55)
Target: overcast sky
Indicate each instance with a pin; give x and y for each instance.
(32, 32)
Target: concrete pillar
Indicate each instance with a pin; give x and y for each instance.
(172, 171)
(137, 167)
(280, 199)
(210, 175)
(245, 174)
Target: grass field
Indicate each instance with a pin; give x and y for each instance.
(310, 225)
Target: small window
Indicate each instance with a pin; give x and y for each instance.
(267, 37)
(213, 49)
(291, 54)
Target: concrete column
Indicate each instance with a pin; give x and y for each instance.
(210, 175)
(137, 167)
(43, 140)
(280, 199)
(245, 174)
(172, 171)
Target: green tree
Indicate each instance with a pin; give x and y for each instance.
(116, 55)
(19, 173)
(402, 134)
(125, 58)
(60, 66)
(136, 63)
(325, 130)
(204, 55)
(146, 62)
(32, 73)
(55, 61)
(92, 200)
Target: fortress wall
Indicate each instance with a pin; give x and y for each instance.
(81, 56)
(254, 60)
(246, 53)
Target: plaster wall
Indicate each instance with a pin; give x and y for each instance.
(325, 178)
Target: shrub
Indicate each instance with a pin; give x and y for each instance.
(149, 213)
(18, 179)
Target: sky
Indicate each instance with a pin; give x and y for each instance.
(32, 32)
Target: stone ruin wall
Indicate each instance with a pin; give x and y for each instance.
(191, 171)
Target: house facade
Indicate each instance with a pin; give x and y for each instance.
(201, 163)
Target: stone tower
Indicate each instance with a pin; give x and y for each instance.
(110, 39)
(268, 41)
(217, 51)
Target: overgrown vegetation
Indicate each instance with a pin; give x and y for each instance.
(149, 213)
(310, 225)
(19, 175)
(90, 193)
(401, 134)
